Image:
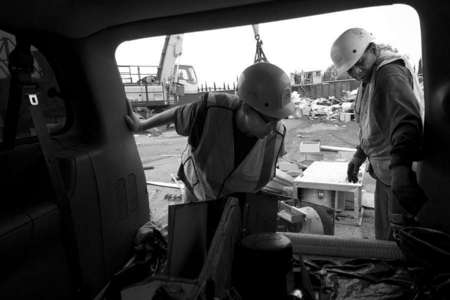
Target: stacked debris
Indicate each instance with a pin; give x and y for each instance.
(305, 106)
(350, 96)
(330, 108)
(327, 108)
(348, 107)
(282, 184)
(321, 107)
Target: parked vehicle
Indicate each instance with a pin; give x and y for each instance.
(157, 87)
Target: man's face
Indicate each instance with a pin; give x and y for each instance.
(259, 125)
(362, 69)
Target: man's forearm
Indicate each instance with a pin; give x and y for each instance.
(163, 118)
(406, 145)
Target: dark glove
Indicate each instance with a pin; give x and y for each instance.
(405, 189)
(353, 168)
(371, 171)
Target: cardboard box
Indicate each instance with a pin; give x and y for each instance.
(311, 146)
(345, 117)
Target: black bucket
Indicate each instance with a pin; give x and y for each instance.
(425, 247)
(261, 266)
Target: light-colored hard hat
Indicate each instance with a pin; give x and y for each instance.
(267, 89)
(349, 48)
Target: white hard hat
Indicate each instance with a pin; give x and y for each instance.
(349, 47)
(267, 89)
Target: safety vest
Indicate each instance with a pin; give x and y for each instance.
(209, 171)
(373, 141)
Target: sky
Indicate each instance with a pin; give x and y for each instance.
(294, 44)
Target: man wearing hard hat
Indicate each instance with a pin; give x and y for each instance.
(389, 109)
(233, 141)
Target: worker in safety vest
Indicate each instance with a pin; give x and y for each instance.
(389, 109)
(233, 141)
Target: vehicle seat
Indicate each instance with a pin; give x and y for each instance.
(31, 251)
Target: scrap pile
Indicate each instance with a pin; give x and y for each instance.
(330, 108)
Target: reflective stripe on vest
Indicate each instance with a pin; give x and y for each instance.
(209, 168)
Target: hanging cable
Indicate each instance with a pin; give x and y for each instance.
(259, 55)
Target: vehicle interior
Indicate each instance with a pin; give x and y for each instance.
(60, 234)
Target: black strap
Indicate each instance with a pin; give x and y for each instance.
(20, 67)
(197, 127)
(27, 93)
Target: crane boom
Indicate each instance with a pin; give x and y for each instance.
(172, 49)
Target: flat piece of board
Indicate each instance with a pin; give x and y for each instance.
(326, 175)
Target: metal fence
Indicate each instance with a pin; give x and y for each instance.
(133, 74)
(217, 88)
(326, 89)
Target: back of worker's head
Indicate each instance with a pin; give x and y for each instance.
(267, 89)
(349, 47)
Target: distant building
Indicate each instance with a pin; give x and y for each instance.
(309, 77)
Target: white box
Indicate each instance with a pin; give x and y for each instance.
(312, 146)
(345, 117)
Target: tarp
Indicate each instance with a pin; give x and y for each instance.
(360, 279)
(374, 279)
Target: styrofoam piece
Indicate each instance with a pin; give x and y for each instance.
(368, 199)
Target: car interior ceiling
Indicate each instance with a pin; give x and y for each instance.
(97, 155)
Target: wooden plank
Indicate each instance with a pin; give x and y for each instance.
(327, 186)
(336, 149)
(326, 175)
(290, 213)
(165, 184)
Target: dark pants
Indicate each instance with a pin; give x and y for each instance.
(387, 212)
(382, 224)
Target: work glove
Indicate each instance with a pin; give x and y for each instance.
(353, 168)
(132, 120)
(406, 190)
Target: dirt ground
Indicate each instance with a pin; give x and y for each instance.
(160, 152)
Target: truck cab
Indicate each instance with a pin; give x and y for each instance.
(187, 78)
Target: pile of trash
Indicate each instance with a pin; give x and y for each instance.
(330, 108)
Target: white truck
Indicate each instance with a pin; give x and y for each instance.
(158, 87)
